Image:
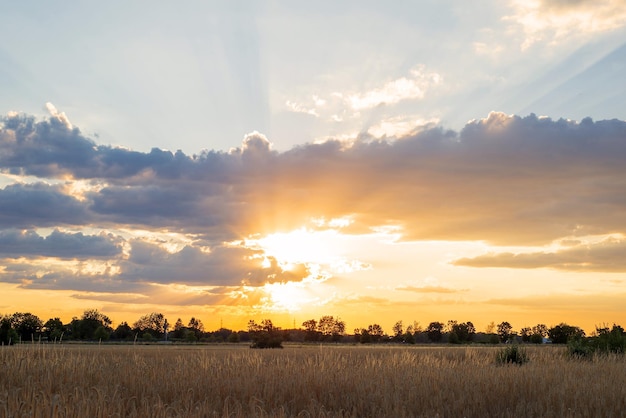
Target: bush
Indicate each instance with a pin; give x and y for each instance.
(606, 342)
(579, 348)
(267, 340)
(613, 341)
(512, 355)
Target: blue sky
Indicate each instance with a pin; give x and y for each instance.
(203, 74)
(414, 160)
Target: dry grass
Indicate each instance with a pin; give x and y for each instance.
(234, 381)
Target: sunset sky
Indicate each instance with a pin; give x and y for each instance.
(415, 160)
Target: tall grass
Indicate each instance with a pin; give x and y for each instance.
(339, 381)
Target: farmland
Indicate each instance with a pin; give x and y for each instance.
(47, 380)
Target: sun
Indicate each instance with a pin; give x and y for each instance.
(301, 246)
(289, 296)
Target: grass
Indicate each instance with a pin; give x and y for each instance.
(304, 381)
(512, 354)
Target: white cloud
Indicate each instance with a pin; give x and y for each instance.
(405, 88)
(59, 116)
(400, 126)
(299, 108)
(557, 20)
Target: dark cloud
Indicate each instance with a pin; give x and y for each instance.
(15, 244)
(76, 276)
(606, 256)
(502, 179)
(221, 266)
(40, 205)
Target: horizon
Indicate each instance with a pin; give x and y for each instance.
(420, 162)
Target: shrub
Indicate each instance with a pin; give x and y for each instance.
(613, 341)
(579, 348)
(512, 355)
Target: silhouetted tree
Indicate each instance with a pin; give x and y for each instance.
(53, 329)
(540, 329)
(562, 333)
(123, 332)
(330, 328)
(8, 335)
(85, 327)
(376, 332)
(462, 333)
(310, 330)
(197, 327)
(505, 331)
(27, 325)
(398, 332)
(153, 324)
(435, 331)
(265, 335)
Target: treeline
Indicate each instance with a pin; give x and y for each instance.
(96, 326)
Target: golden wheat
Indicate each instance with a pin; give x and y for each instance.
(304, 381)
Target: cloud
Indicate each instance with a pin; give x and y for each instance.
(39, 205)
(394, 91)
(429, 289)
(605, 256)
(503, 179)
(27, 243)
(58, 116)
(221, 266)
(558, 20)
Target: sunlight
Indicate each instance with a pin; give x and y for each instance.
(288, 296)
(300, 246)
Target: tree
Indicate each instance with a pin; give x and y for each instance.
(610, 341)
(153, 323)
(253, 326)
(462, 333)
(540, 329)
(376, 332)
(563, 333)
(122, 332)
(310, 325)
(435, 331)
(267, 325)
(364, 336)
(505, 331)
(101, 334)
(330, 328)
(26, 324)
(8, 335)
(179, 330)
(526, 333)
(85, 327)
(53, 329)
(265, 335)
(197, 327)
(339, 328)
(398, 331)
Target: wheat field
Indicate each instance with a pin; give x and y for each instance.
(304, 381)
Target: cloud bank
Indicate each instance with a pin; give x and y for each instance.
(505, 180)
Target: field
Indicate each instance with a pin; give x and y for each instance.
(305, 381)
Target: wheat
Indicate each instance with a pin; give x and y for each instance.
(303, 381)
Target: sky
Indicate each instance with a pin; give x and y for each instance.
(418, 161)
